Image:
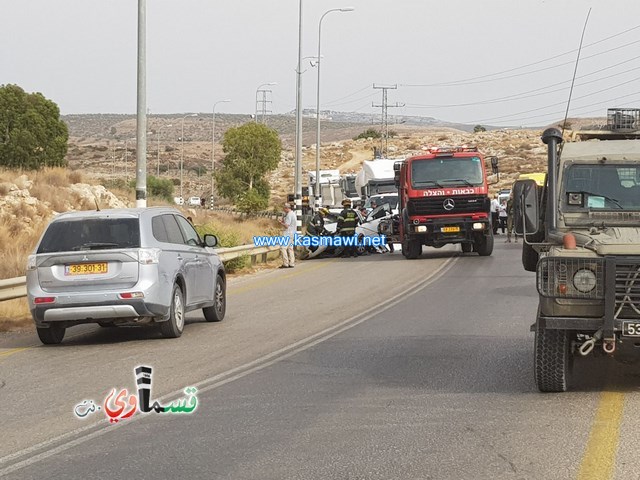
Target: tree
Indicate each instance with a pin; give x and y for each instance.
(479, 128)
(31, 132)
(369, 133)
(252, 150)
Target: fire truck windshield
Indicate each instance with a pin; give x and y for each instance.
(450, 171)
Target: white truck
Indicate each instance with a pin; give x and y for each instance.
(376, 177)
(330, 188)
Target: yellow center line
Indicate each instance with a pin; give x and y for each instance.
(598, 462)
(14, 350)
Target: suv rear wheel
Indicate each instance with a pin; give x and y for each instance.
(216, 312)
(173, 327)
(52, 335)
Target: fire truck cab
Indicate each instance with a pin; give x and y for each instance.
(444, 199)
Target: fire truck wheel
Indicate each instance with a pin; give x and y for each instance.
(414, 249)
(484, 245)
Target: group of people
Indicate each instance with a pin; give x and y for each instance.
(348, 220)
(502, 217)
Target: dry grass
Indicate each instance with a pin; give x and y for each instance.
(22, 223)
(15, 315)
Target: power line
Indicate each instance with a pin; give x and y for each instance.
(352, 101)
(574, 110)
(349, 95)
(459, 82)
(524, 95)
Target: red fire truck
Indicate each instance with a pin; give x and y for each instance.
(444, 199)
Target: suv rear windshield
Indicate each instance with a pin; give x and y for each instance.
(90, 234)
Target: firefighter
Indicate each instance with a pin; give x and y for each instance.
(347, 221)
(316, 226)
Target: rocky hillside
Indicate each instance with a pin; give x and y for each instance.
(103, 148)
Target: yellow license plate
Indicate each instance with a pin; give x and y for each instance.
(450, 229)
(86, 268)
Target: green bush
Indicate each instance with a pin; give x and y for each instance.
(156, 187)
(479, 128)
(369, 133)
(226, 238)
(252, 202)
(160, 187)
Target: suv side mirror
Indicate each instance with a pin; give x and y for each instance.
(210, 240)
(525, 207)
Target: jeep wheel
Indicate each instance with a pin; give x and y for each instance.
(216, 312)
(52, 335)
(484, 245)
(551, 359)
(466, 247)
(173, 327)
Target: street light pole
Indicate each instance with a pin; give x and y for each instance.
(317, 187)
(158, 135)
(213, 143)
(182, 152)
(264, 98)
(141, 114)
(298, 170)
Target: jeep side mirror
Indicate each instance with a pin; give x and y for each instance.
(525, 207)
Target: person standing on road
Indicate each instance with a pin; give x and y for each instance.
(289, 222)
(495, 217)
(510, 219)
(502, 215)
(347, 221)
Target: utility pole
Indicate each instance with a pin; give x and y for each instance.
(141, 116)
(384, 143)
(261, 105)
(298, 169)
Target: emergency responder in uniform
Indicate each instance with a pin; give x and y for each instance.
(316, 226)
(347, 221)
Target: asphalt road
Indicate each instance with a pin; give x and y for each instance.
(369, 368)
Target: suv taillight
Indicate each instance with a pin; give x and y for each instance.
(31, 262)
(148, 256)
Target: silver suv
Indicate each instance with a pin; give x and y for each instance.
(123, 267)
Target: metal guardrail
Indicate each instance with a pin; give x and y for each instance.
(232, 211)
(12, 288)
